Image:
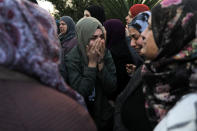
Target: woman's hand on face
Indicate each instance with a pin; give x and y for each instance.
(92, 54)
(100, 49)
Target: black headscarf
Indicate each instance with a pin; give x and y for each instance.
(116, 43)
(97, 12)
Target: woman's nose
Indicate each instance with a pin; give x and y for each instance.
(133, 43)
(139, 41)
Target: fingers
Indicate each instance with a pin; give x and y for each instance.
(98, 46)
(129, 71)
(88, 50)
(130, 68)
(93, 48)
(87, 47)
(96, 49)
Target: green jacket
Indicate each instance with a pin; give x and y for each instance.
(84, 80)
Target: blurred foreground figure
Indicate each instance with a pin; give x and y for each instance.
(33, 95)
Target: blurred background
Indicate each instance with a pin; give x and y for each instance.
(113, 8)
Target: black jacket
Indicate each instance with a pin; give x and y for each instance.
(130, 112)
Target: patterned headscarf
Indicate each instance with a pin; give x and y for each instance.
(29, 44)
(173, 73)
(173, 25)
(140, 22)
(70, 33)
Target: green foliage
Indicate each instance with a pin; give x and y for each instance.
(113, 8)
(74, 9)
(119, 8)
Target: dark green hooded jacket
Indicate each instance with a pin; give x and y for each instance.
(88, 81)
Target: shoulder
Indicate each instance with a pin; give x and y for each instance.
(34, 101)
(74, 54)
(182, 116)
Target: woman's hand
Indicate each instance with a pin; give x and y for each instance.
(100, 50)
(130, 68)
(101, 53)
(91, 50)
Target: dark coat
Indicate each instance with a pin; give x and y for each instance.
(84, 80)
(65, 49)
(117, 44)
(28, 105)
(130, 112)
(121, 56)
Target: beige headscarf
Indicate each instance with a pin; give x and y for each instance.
(85, 28)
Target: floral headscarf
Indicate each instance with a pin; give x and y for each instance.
(29, 44)
(173, 73)
(173, 25)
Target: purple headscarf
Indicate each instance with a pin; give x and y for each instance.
(115, 31)
(29, 44)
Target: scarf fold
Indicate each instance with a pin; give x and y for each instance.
(28, 44)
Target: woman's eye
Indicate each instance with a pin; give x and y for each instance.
(134, 37)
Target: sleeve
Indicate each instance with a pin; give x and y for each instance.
(107, 75)
(81, 80)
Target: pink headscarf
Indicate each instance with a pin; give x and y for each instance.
(29, 44)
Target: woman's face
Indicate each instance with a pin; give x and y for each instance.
(128, 18)
(134, 35)
(149, 47)
(97, 35)
(86, 13)
(63, 27)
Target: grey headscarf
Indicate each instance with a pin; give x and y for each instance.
(140, 22)
(85, 28)
(71, 33)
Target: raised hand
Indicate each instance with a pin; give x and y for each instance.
(92, 54)
(100, 50)
(130, 68)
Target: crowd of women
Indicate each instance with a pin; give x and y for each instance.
(99, 74)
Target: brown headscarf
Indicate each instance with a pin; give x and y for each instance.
(29, 44)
